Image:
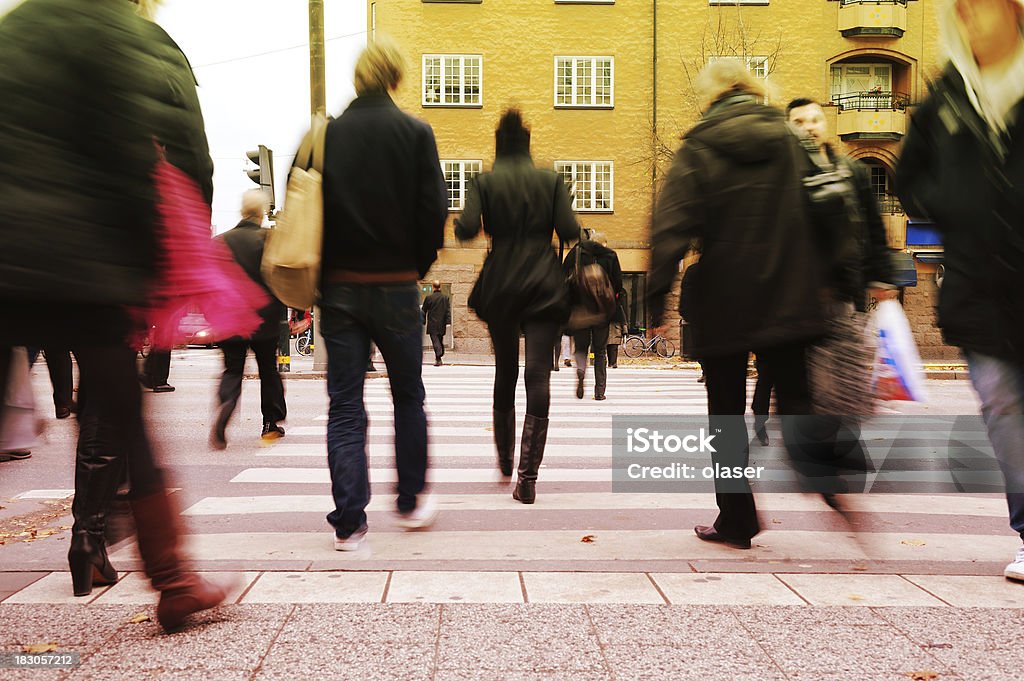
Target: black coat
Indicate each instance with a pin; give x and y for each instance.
(971, 184)
(874, 264)
(246, 241)
(77, 153)
(735, 187)
(85, 88)
(385, 198)
(520, 207)
(438, 312)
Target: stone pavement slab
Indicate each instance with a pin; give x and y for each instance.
(461, 587)
(859, 590)
(527, 641)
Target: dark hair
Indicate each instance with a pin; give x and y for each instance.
(798, 102)
(511, 136)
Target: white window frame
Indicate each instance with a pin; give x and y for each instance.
(442, 73)
(575, 102)
(589, 203)
(474, 166)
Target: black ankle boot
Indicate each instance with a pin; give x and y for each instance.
(505, 438)
(535, 435)
(88, 561)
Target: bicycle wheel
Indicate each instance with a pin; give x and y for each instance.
(633, 346)
(303, 346)
(664, 348)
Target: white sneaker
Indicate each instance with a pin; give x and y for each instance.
(351, 542)
(1015, 570)
(420, 517)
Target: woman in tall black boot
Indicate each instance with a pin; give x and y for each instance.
(520, 287)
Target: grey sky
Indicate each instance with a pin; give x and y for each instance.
(251, 58)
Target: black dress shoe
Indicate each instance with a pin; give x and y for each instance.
(62, 412)
(271, 431)
(711, 534)
(600, 397)
(164, 388)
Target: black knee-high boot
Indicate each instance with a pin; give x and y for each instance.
(535, 436)
(505, 438)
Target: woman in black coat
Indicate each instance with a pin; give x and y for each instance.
(520, 287)
(79, 110)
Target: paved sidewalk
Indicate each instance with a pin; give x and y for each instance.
(453, 642)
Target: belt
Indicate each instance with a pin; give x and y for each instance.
(352, 277)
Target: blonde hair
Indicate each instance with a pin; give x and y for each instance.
(380, 67)
(147, 9)
(723, 76)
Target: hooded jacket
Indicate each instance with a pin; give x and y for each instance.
(735, 189)
(964, 171)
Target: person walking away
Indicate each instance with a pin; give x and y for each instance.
(437, 311)
(734, 191)
(246, 241)
(617, 329)
(385, 205)
(961, 166)
(593, 339)
(520, 287)
(82, 253)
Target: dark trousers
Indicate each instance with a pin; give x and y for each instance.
(762, 400)
(157, 367)
(58, 364)
(596, 339)
(540, 338)
(437, 340)
(726, 383)
(351, 316)
(613, 354)
(272, 402)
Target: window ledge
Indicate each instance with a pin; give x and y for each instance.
(602, 107)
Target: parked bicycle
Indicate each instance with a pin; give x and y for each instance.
(635, 346)
(304, 342)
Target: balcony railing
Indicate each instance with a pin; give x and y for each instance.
(873, 2)
(871, 100)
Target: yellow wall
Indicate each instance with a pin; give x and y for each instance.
(518, 40)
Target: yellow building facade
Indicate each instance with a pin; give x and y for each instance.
(605, 86)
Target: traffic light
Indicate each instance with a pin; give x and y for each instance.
(263, 173)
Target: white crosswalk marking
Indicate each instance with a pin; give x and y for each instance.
(270, 508)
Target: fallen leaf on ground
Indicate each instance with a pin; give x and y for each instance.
(913, 542)
(139, 618)
(922, 676)
(855, 597)
(50, 647)
(587, 539)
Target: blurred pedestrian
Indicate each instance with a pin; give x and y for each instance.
(385, 205)
(520, 287)
(437, 310)
(246, 241)
(761, 402)
(84, 248)
(962, 167)
(734, 190)
(857, 265)
(617, 329)
(593, 249)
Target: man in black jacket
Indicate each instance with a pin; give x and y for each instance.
(246, 242)
(437, 311)
(962, 167)
(593, 250)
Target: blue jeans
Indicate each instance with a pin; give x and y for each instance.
(1000, 385)
(350, 317)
